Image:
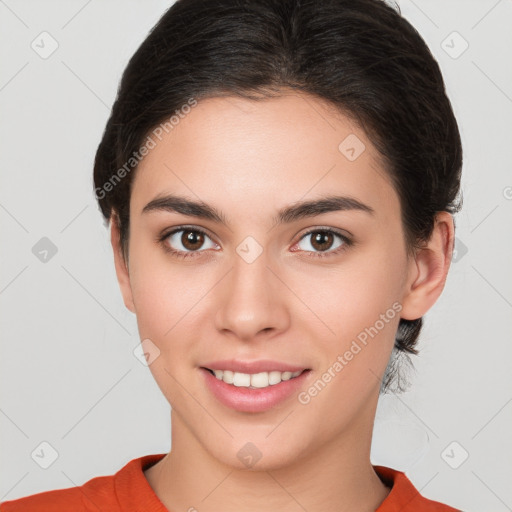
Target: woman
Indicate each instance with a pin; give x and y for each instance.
(280, 179)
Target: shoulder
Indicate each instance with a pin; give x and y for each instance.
(95, 494)
(99, 493)
(404, 497)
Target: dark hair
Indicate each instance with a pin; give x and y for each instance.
(361, 56)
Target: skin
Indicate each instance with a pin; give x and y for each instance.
(250, 159)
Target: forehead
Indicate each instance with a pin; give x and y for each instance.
(266, 152)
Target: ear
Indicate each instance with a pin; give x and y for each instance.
(122, 271)
(428, 269)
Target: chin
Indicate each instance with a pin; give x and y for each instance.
(257, 453)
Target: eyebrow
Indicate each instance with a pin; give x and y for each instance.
(288, 214)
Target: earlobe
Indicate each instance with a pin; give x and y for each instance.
(121, 265)
(429, 269)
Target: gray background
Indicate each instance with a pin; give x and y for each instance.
(68, 373)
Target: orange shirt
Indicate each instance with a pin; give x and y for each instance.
(128, 490)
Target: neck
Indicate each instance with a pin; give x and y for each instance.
(334, 477)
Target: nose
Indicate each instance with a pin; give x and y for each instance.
(253, 301)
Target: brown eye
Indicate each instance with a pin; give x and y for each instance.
(192, 240)
(323, 242)
(187, 241)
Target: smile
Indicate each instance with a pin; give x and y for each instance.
(254, 392)
(253, 380)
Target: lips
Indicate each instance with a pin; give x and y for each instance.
(251, 399)
(263, 365)
(253, 386)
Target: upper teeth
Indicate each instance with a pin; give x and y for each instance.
(256, 380)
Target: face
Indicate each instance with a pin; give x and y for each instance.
(319, 289)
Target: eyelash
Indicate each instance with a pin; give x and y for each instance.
(347, 242)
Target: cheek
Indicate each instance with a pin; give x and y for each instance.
(363, 318)
(156, 287)
(353, 297)
(169, 298)
(359, 302)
